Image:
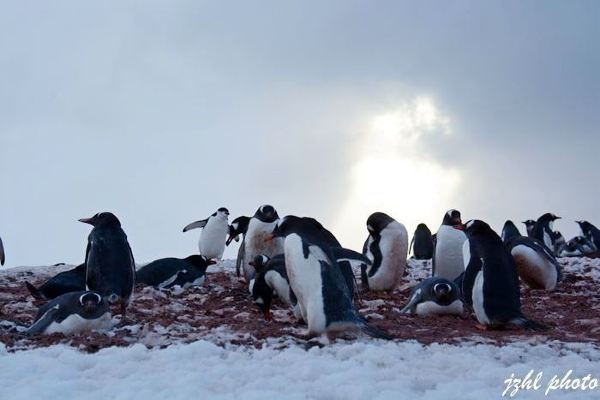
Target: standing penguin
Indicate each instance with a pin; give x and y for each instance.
(509, 231)
(422, 243)
(2, 259)
(447, 258)
(536, 265)
(109, 263)
(238, 227)
(322, 291)
(211, 243)
(260, 227)
(491, 284)
(71, 313)
(387, 248)
(544, 232)
(529, 224)
(590, 232)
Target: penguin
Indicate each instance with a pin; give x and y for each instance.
(491, 285)
(260, 227)
(529, 224)
(422, 243)
(536, 265)
(509, 231)
(166, 273)
(2, 257)
(434, 296)
(238, 227)
(272, 280)
(447, 257)
(579, 246)
(71, 313)
(544, 232)
(387, 248)
(590, 232)
(211, 243)
(322, 291)
(64, 282)
(109, 263)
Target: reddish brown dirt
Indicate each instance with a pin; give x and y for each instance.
(222, 312)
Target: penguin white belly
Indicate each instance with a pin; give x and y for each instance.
(195, 282)
(75, 323)
(534, 269)
(256, 245)
(478, 300)
(433, 308)
(212, 238)
(306, 282)
(394, 249)
(280, 285)
(448, 252)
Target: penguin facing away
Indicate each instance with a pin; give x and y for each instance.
(529, 224)
(323, 295)
(447, 258)
(166, 273)
(422, 243)
(211, 243)
(71, 313)
(239, 226)
(260, 227)
(590, 232)
(434, 296)
(509, 231)
(387, 248)
(109, 263)
(64, 282)
(491, 283)
(2, 256)
(536, 265)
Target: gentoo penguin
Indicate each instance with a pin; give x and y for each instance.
(447, 257)
(590, 232)
(71, 313)
(168, 272)
(509, 231)
(238, 227)
(491, 284)
(64, 282)
(422, 243)
(529, 224)
(387, 248)
(434, 296)
(260, 227)
(322, 291)
(2, 257)
(579, 246)
(211, 243)
(272, 280)
(109, 263)
(536, 265)
(544, 232)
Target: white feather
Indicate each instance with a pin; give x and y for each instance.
(393, 245)
(448, 252)
(211, 243)
(534, 267)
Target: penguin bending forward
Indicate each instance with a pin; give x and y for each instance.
(211, 243)
(260, 227)
(239, 226)
(434, 296)
(536, 265)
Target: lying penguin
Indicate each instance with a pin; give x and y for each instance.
(579, 246)
(536, 264)
(64, 282)
(168, 272)
(434, 296)
(71, 313)
(272, 280)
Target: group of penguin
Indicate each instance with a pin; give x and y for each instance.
(301, 263)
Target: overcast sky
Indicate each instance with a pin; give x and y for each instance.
(163, 112)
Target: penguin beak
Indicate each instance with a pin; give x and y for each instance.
(228, 241)
(87, 220)
(210, 262)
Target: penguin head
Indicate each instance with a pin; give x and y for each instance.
(585, 227)
(222, 212)
(423, 228)
(200, 262)
(266, 213)
(377, 222)
(90, 301)
(238, 227)
(259, 262)
(452, 218)
(476, 227)
(102, 219)
(442, 292)
(548, 219)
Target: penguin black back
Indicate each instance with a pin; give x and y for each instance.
(509, 231)
(422, 243)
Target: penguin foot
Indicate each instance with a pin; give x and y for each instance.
(481, 327)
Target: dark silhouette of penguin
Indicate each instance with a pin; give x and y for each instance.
(72, 280)
(168, 272)
(579, 246)
(590, 232)
(2, 257)
(529, 224)
(509, 231)
(422, 243)
(109, 263)
(543, 230)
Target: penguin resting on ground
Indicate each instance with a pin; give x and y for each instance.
(422, 243)
(323, 295)
(387, 248)
(579, 246)
(211, 243)
(590, 232)
(238, 227)
(109, 263)
(536, 265)
(64, 282)
(166, 273)
(490, 283)
(447, 258)
(71, 313)
(434, 296)
(509, 231)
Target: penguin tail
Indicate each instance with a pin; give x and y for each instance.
(370, 330)
(35, 292)
(530, 324)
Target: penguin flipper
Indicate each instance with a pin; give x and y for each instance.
(412, 303)
(473, 268)
(40, 325)
(342, 254)
(35, 292)
(529, 324)
(196, 224)
(240, 257)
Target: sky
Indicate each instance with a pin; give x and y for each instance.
(162, 112)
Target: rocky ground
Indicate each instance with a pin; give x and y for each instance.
(222, 312)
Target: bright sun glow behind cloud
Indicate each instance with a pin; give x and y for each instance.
(394, 172)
